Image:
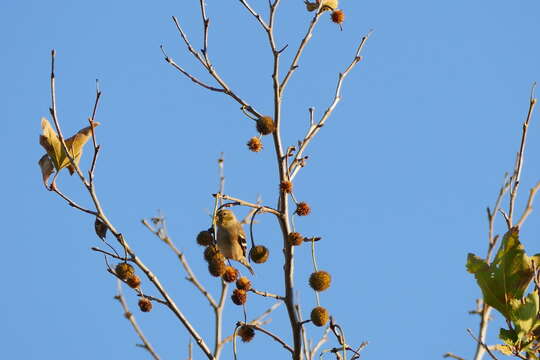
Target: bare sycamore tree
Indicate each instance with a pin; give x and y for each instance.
(225, 239)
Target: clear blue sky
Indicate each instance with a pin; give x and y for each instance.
(398, 180)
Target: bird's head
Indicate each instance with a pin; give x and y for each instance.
(225, 217)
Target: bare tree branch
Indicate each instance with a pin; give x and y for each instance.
(519, 160)
(264, 331)
(314, 129)
(146, 344)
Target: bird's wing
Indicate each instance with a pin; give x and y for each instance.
(242, 238)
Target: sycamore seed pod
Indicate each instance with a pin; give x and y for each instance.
(230, 274)
(255, 144)
(302, 209)
(217, 267)
(295, 239)
(145, 305)
(133, 281)
(124, 270)
(320, 280)
(212, 252)
(338, 16)
(259, 254)
(265, 125)
(239, 297)
(205, 238)
(243, 284)
(319, 316)
(286, 186)
(246, 333)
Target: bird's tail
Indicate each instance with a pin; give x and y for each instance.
(247, 265)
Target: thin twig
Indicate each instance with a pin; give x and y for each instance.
(320, 343)
(204, 60)
(264, 331)
(256, 15)
(146, 344)
(519, 160)
(54, 188)
(482, 344)
(248, 204)
(301, 47)
(258, 321)
(529, 207)
(181, 257)
(314, 129)
(267, 294)
(453, 356)
(96, 249)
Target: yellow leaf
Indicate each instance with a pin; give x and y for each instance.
(47, 168)
(76, 143)
(51, 142)
(504, 349)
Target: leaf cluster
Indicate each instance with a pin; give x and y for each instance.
(503, 283)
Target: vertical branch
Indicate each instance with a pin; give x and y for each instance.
(519, 161)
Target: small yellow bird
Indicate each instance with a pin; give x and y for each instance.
(231, 238)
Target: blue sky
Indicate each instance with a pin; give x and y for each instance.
(398, 180)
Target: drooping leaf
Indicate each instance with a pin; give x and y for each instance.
(100, 228)
(47, 168)
(524, 314)
(507, 277)
(51, 143)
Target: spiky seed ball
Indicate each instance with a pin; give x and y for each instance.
(338, 16)
(243, 284)
(295, 239)
(246, 333)
(239, 297)
(259, 254)
(217, 267)
(133, 281)
(265, 125)
(205, 238)
(255, 144)
(212, 252)
(124, 270)
(320, 280)
(230, 274)
(286, 186)
(319, 316)
(302, 209)
(145, 305)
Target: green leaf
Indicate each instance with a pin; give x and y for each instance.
(507, 277)
(524, 315)
(476, 264)
(508, 336)
(514, 266)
